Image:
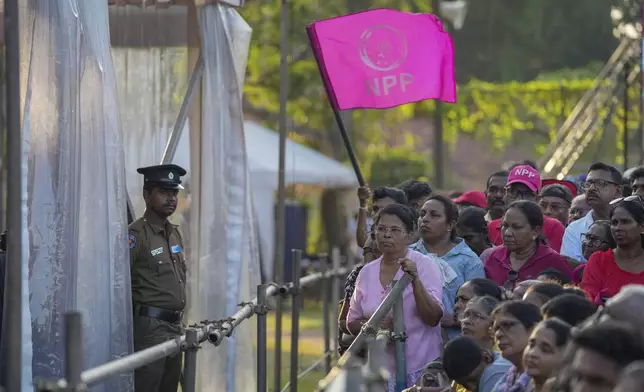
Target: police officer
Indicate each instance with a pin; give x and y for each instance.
(158, 268)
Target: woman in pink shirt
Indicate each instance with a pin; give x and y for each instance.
(524, 255)
(422, 305)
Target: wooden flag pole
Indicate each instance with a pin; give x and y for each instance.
(347, 142)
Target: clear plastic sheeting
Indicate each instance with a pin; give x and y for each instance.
(76, 186)
(224, 247)
(151, 85)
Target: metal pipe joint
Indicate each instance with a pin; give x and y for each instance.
(288, 290)
(192, 339)
(400, 337)
(215, 336)
(368, 330)
(260, 309)
(219, 330)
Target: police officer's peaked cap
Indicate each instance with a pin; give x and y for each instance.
(165, 176)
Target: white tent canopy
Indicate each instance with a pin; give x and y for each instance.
(303, 166)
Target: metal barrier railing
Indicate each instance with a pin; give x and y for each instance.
(372, 376)
(369, 378)
(214, 332)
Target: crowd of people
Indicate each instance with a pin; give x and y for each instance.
(528, 286)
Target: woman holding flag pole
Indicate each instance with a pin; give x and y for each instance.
(421, 301)
(380, 59)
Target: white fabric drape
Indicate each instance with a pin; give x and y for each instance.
(223, 243)
(76, 186)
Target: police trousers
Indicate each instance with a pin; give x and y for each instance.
(164, 374)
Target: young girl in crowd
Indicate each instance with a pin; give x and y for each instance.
(544, 353)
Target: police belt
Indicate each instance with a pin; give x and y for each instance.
(170, 316)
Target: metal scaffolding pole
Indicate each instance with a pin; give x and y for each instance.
(260, 309)
(336, 259)
(326, 314)
(12, 369)
(399, 337)
(73, 351)
(190, 360)
(627, 71)
(295, 318)
(281, 193)
(438, 150)
(182, 117)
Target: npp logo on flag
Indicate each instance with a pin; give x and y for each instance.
(384, 58)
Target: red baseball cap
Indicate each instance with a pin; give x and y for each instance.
(526, 175)
(568, 184)
(475, 198)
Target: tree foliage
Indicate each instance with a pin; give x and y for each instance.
(385, 165)
(503, 40)
(500, 111)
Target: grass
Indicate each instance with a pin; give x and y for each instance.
(310, 346)
(310, 320)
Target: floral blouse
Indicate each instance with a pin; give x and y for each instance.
(350, 284)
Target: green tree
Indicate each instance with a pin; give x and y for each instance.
(503, 40)
(393, 165)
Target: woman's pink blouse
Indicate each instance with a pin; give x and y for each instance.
(424, 342)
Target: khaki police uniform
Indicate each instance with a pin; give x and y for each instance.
(158, 270)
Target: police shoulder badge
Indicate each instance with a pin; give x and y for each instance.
(132, 240)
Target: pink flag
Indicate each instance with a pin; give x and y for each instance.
(384, 58)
